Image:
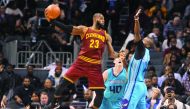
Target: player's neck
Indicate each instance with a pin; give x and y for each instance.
(117, 69)
(95, 27)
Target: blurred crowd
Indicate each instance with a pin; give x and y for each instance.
(167, 22)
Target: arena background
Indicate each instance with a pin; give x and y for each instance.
(26, 38)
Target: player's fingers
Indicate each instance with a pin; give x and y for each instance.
(46, 15)
(138, 12)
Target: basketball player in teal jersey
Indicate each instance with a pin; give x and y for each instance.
(135, 91)
(115, 80)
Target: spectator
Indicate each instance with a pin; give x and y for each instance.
(3, 60)
(154, 81)
(173, 25)
(148, 83)
(3, 22)
(156, 36)
(14, 18)
(173, 47)
(151, 71)
(73, 14)
(166, 43)
(52, 67)
(171, 106)
(35, 97)
(4, 85)
(171, 81)
(187, 11)
(88, 96)
(44, 100)
(32, 26)
(173, 60)
(24, 92)
(34, 101)
(27, 6)
(63, 45)
(56, 76)
(169, 98)
(186, 82)
(168, 69)
(159, 9)
(35, 81)
(153, 102)
(156, 22)
(112, 11)
(49, 89)
(183, 54)
(187, 44)
(15, 81)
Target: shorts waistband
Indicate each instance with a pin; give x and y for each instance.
(89, 60)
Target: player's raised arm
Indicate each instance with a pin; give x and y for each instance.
(74, 30)
(137, 27)
(111, 51)
(52, 12)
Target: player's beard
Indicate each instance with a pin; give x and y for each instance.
(99, 25)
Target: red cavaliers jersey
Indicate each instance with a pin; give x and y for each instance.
(93, 44)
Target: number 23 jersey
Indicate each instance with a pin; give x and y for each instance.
(93, 45)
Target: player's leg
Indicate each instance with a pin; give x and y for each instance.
(98, 98)
(132, 102)
(142, 102)
(69, 78)
(106, 104)
(95, 81)
(133, 95)
(130, 99)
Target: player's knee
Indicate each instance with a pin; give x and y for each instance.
(99, 97)
(62, 85)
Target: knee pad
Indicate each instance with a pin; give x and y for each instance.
(99, 97)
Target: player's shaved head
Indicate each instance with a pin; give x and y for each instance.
(148, 42)
(97, 15)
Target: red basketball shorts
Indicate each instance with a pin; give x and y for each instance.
(91, 71)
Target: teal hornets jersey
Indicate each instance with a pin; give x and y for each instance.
(115, 85)
(136, 72)
(138, 68)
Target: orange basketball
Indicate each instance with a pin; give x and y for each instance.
(52, 11)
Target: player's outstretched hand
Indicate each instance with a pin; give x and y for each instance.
(47, 16)
(52, 12)
(136, 17)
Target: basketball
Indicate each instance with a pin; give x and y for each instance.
(52, 11)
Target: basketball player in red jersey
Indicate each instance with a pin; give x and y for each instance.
(88, 63)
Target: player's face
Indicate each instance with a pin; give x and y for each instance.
(100, 21)
(118, 62)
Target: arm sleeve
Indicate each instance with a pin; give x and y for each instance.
(140, 50)
(66, 28)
